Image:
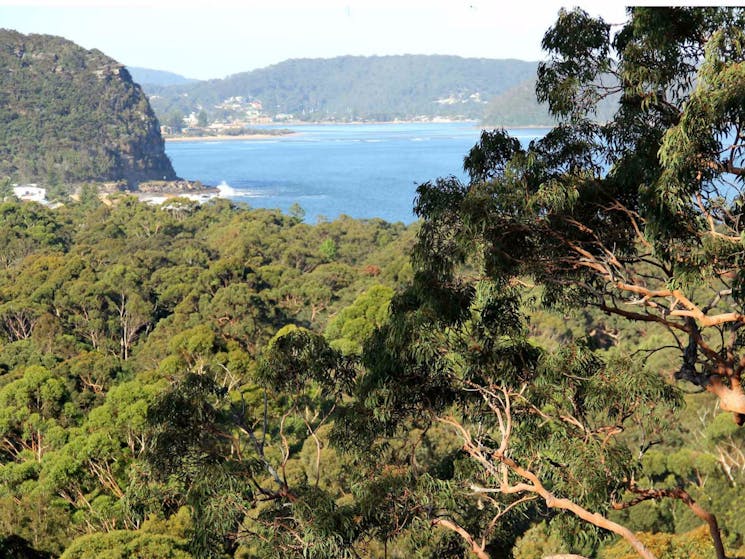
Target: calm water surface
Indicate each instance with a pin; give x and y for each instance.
(361, 170)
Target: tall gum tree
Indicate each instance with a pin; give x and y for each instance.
(639, 217)
(647, 223)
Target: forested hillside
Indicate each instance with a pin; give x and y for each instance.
(70, 115)
(165, 391)
(518, 106)
(352, 88)
(142, 347)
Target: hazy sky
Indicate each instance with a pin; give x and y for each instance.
(211, 39)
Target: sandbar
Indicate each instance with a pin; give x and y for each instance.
(225, 137)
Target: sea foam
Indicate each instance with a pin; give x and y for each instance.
(226, 191)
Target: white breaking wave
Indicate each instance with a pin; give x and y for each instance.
(226, 190)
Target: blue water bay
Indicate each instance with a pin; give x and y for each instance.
(361, 170)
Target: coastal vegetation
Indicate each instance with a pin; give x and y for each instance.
(548, 362)
(108, 313)
(636, 219)
(207, 381)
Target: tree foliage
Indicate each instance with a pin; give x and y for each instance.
(635, 218)
(116, 317)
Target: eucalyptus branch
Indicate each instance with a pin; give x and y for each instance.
(476, 549)
(712, 227)
(683, 496)
(498, 461)
(312, 433)
(259, 449)
(285, 445)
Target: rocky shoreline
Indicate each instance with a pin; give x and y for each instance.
(157, 192)
(179, 186)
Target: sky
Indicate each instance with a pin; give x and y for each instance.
(206, 39)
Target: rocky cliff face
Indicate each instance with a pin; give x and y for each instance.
(69, 115)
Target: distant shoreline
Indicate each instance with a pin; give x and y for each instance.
(474, 123)
(223, 137)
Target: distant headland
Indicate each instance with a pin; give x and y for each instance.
(73, 115)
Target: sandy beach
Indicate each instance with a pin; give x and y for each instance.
(226, 137)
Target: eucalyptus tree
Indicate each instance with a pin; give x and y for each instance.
(638, 217)
(541, 430)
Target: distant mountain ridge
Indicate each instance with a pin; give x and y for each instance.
(351, 88)
(71, 115)
(158, 78)
(519, 107)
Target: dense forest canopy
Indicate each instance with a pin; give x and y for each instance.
(548, 362)
(105, 311)
(70, 115)
(195, 381)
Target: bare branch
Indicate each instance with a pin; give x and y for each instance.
(476, 549)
